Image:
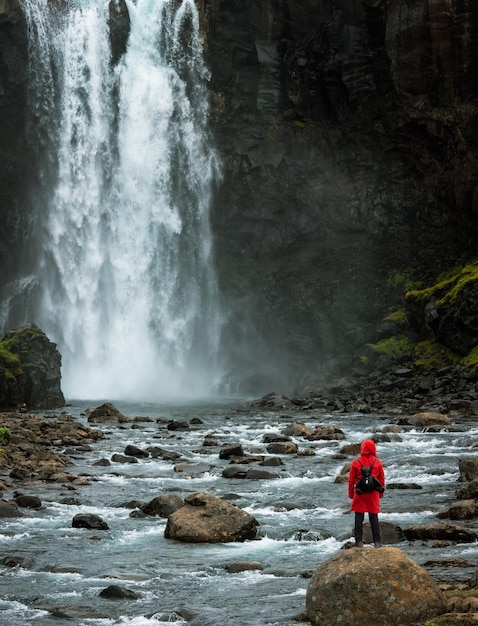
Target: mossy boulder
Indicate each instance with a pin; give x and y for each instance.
(30, 370)
(448, 310)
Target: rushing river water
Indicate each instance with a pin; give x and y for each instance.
(70, 567)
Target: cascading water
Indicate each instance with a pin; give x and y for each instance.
(126, 285)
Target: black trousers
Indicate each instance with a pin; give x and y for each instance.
(374, 525)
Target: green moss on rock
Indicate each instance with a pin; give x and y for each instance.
(12, 363)
(447, 290)
(392, 346)
(29, 369)
(433, 355)
(398, 317)
(471, 360)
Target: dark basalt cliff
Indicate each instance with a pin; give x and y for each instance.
(347, 134)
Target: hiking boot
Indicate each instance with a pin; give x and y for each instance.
(377, 544)
(359, 544)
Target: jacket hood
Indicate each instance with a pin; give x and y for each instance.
(368, 448)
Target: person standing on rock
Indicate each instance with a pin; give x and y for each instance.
(367, 501)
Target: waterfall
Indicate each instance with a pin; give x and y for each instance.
(125, 277)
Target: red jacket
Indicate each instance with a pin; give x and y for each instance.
(366, 502)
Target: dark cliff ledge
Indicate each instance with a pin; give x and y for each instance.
(29, 370)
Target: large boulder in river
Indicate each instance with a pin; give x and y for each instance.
(107, 412)
(468, 469)
(441, 531)
(379, 586)
(327, 432)
(9, 509)
(424, 419)
(208, 519)
(463, 509)
(30, 370)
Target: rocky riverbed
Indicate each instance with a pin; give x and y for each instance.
(52, 453)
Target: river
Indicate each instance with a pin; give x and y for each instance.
(188, 583)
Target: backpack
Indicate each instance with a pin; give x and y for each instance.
(367, 482)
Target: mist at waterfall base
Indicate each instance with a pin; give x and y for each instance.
(123, 279)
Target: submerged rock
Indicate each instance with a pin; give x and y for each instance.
(243, 566)
(89, 520)
(116, 592)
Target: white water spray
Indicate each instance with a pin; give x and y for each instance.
(126, 281)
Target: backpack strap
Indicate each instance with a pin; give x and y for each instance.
(371, 464)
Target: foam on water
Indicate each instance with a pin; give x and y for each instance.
(170, 574)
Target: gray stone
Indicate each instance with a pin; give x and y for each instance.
(207, 519)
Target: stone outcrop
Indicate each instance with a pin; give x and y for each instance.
(30, 370)
(207, 519)
(383, 587)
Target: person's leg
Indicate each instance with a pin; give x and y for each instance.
(375, 527)
(358, 529)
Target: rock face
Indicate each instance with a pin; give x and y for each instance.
(30, 370)
(207, 519)
(16, 171)
(383, 587)
(346, 135)
(448, 311)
